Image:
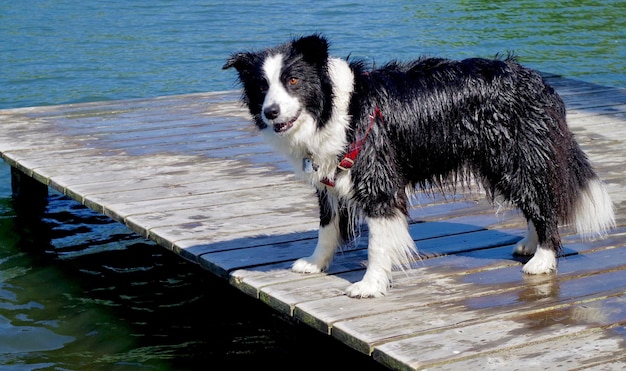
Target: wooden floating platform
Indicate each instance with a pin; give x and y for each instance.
(190, 173)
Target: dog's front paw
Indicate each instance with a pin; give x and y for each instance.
(308, 265)
(364, 289)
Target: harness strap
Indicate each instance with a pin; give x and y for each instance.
(355, 148)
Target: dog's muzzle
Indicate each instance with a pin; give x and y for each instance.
(281, 127)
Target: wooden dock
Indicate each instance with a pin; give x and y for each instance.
(190, 173)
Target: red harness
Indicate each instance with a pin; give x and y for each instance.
(355, 147)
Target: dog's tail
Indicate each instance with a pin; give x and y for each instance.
(593, 214)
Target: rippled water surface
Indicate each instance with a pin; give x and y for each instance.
(78, 291)
(57, 51)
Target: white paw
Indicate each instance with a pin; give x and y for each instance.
(308, 265)
(364, 289)
(373, 285)
(544, 261)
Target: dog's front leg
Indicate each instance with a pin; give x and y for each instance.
(378, 273)
(329, 237)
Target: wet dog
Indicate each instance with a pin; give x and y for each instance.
(367, 138)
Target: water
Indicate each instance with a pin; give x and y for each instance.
(55, 51)
(78, 291)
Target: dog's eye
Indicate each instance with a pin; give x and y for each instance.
(293, 81)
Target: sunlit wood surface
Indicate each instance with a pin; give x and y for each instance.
(190, 173)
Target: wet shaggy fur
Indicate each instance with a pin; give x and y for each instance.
(426, 123)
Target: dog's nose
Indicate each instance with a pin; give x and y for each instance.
(272, 111)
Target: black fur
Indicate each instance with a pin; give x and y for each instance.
(495, 118)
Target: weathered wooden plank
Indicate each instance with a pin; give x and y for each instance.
(178, 190)
(238, 259)
(184, 143)
(191, 173)
(616, 110)
(582, 102)
(142, 122)
(424, 284)
(220, 222)
(188, 195)
(492, 293)
(284, 297)
(234, 231)
(90, 109)
(172, 171)
(251, 281)
(500, 335)
(565, 86)
(590, 350)
(257, 278)
(180, 128)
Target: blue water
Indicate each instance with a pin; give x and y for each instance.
(55, 51)
(78, 291)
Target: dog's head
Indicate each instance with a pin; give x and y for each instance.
(286, 85)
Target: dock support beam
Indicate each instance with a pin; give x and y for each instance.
(30, 197)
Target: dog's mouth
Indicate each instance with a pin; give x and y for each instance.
(281, 127)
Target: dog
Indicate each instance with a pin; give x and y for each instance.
(366, 138)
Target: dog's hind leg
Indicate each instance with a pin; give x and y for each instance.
(546, 241)
(542, 238)
(544, 259)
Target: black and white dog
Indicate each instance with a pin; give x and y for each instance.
(367, 138)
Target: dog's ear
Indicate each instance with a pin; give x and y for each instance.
(313, 48)
(241, 61)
